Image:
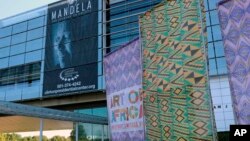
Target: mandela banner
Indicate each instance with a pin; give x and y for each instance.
(177, 101)
(234, 18)
(71, 47)
(123, 84)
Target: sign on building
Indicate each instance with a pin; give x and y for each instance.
(71, 47)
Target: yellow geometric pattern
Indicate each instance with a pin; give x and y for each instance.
(177, 103)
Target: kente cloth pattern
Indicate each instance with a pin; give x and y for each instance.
(234, 18)
(123, 75)
(123, 67)
(177, 103)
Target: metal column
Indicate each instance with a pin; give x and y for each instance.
(41, 130)
(76, 132)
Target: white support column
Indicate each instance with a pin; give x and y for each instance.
(41, 130)
(76, 131)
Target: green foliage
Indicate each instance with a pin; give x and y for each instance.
(58, 138)
(16, 137)
(10, 137)
(81, 134)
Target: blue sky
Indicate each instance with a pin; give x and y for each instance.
(13, 7)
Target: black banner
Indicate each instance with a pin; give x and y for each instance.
(71, 50)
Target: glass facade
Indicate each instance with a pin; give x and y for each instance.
(123, 25)
(22, 43)
(93, 132)
(21, 46)
(219, 84)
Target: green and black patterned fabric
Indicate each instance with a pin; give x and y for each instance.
(177, 101)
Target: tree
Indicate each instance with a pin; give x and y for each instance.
(81, 134)
(10, 137)
(58, 138)
(2, 137)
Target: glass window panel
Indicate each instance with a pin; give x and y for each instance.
(21, 27)
(209, 34)
(106, 133)
(5, 42)
(33, 56)
(16, 60)
(216, 32)
(211, 50)
(17, 49)
(97, 132)
(18, 38)
(100, 112)
(85, 111)
(219, 49)
(226, 99)
(31, 90)
(36, 33)
(2, 92)
(221, 65)
(34, 23)
(6, 31)
(4, 77)
(212, 4)
(86, 128)
(124, 21)
(207, 19)
(14, 92)
(212, 67)
(214, 17)
(34, 45)
(4, 52)
(205, 3)
(4, 62)
(12, 75)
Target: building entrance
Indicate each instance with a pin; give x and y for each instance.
(45, 123)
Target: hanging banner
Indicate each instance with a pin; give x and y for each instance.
(123, 76)
(71, 50)
(234, 18)
(177, 103)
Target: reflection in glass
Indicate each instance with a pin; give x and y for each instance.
(34, 34)
(34, 45)
(16, 60)
(6, 31)
(4, 52)
(219, 49)
(17, 49)
(18, 38)
(37, 22)
(212, 67)
(5, 42)
(20, 27)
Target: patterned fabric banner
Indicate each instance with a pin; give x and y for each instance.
(123, 73)
(234, 18)
(177, 101)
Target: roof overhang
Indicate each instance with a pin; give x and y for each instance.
(11, 124)
(33, 112)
